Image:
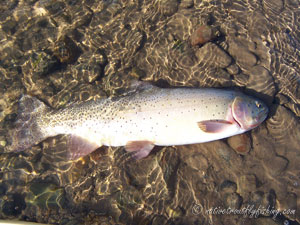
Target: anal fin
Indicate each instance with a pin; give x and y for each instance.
(79, 147)
(141, 149)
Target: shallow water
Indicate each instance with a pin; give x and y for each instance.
(66, 51)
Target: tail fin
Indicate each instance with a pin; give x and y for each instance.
(27, 131)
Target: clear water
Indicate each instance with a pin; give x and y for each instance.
(66, 51)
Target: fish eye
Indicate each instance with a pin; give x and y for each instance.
(258, 105)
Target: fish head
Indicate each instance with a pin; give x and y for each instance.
(248, 112)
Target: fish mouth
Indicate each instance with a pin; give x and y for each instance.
(262, 115)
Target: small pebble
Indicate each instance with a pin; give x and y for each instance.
(241, 79)
(2, 143)
(233, 200)
(233, 69)
(202, 35)
(240, 143)
(228, 186)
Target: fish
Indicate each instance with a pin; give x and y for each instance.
(145, 117)
(18, 222)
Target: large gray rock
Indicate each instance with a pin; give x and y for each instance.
(213, 55)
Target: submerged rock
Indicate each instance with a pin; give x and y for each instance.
(281, 165)
(100, 46)
(197, 162)
(87, 72)
(9, 26)
(289, 203)
(66, 50)
(261, 81)
(233, 200)
(241, 79)
(168, 7)
(202, 35)
(40, 63)
(90, 67)
(228, 186)
(14, 205)
(239, 50)
(3, 189)
(186, 3)
(273, 7)
(233, 69)
(37, 35)
(211, 54)
(240, 143)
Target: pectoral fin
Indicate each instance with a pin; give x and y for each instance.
(141, 149)
(214, 126)
(79, 147)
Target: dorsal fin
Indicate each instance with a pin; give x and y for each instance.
(137, 86)
(140, 86)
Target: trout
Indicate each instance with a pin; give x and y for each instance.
(139, 120)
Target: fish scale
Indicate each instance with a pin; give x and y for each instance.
(143, 118)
